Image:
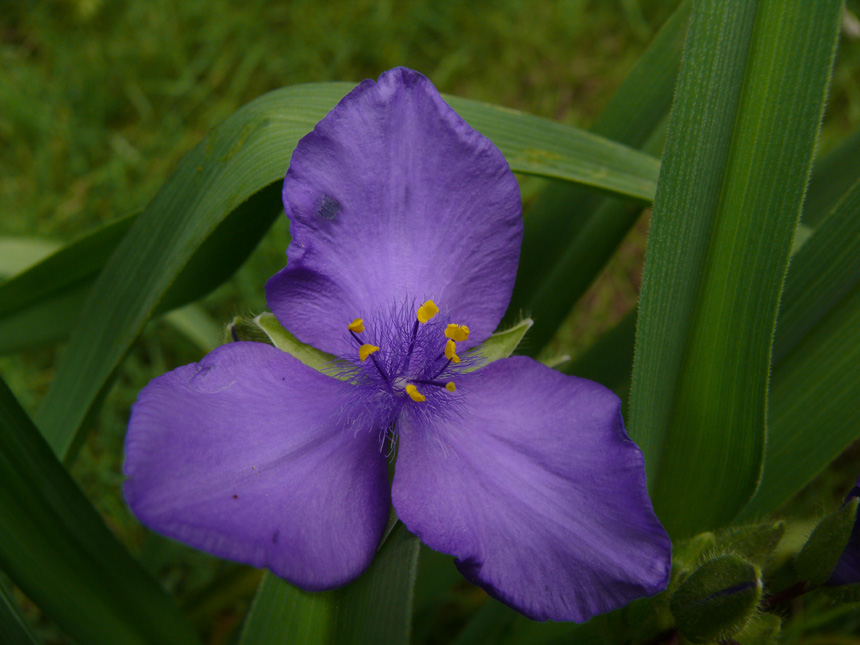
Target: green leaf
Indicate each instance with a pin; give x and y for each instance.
(19, 253)
(197, 326)
(501, 344)
(755, 542)
(14, 627)
(376, 608)
(812, 410)
(823, 271)
(832, 177)
(41, 304)
(56, 548)
(570, 232)
(609, 360)
(749, 103)
(286, 342)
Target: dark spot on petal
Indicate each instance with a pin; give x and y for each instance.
(328, 208)
(275, 537)
(235, 497)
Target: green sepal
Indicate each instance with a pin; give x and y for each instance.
(818, 557)
(762, 629)
(245, 329)
(266, 328)
(286, 342)
(718, 599)
(687, 554)
(755, 542)
(501, 344)
(842, 593)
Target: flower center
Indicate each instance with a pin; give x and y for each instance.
(408, 356)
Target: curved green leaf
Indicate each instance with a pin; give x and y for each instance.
(749, 104)
(14, 627)
(56, 548)
(812, 411)
(832, 176)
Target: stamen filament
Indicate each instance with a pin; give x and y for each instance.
(411, 345)
(382, 373)
(445, 367)
(448, 386)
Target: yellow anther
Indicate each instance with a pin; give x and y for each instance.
(366, 350)
(451, 351)
(457, 332)
(450, 386)
(356, 326)
(427, 311)
(414, 394)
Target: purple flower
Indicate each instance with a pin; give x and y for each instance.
(406, 229)
(847, 570)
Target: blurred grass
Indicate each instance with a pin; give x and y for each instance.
(99, 100)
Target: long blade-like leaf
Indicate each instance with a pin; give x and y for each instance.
(55, 547)
(813, 411)
(832, 176)
(14, 627)
(376, 608)
(749, 105)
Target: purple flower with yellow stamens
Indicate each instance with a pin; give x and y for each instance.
(406, 228)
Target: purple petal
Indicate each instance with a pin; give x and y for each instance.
(242, 455)
(538, 492)
(394, 198)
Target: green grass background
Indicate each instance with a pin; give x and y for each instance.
(99, 100)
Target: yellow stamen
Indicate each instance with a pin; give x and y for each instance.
(427, 311)
(450, 351)
(414, 394)
(356, 326)
(366, 350)
(450, 386)
(457, 332)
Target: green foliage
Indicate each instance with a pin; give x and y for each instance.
(812, 416)
(734, 172)
(375, 608)
(56, 548)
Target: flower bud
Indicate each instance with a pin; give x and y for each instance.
(831, 555)
(718, 599)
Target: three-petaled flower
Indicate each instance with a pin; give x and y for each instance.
(406, 228)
